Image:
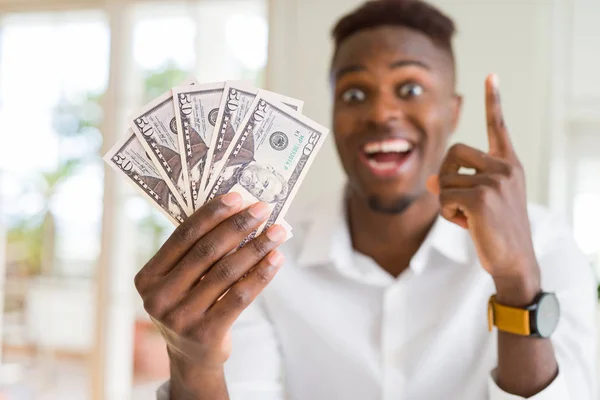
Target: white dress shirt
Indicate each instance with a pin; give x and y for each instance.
(334, 325)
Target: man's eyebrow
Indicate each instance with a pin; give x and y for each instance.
(348, 70)
(396, 64)
(409, 63)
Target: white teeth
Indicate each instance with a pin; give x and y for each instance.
(388, 146)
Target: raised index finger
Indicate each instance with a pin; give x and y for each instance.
(498, 138)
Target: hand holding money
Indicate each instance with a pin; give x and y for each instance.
(223, 162)
(193, 289)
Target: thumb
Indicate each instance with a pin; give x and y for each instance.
(433, 184)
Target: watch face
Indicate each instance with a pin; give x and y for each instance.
(547, 315)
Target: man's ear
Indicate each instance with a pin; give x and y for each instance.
(457, 101)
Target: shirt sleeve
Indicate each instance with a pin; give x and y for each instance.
(555, 391)
(254, 368)
(567, 272)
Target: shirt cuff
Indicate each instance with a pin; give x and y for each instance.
(163, 392)
(557, 390)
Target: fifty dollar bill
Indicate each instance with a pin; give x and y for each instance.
(235, 103)
(196, 111)
(156, 127)
(197, 107)
(129, 158)
(269, 156)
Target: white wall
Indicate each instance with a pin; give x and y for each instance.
(299, 56)
(585, 53)
(512, 38)
(580, 96)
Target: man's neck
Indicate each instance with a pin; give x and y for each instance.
(391, 239)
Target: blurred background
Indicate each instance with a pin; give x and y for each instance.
(71, 71)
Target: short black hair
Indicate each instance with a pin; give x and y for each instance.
(414, 14)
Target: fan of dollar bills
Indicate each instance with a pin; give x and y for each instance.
(200, 141)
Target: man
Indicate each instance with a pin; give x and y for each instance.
(386, 293)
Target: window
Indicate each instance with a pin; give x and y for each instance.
(54, 78)
(585, 164)
(49, 114)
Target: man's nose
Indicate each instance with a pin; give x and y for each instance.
(385, 108)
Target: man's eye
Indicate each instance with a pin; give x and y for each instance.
(409, 90)
(266, 183)
(353, 96)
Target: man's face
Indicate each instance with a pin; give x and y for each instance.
(261, 182)
(394, 108)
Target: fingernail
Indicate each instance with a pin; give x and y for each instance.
(275, 258)
(259, 210)
(276, 233)
(231, 199)
(495, 81)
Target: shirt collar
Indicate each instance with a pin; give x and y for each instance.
(327, 239)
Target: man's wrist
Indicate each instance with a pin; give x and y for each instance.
(195, 382)
(519, 290)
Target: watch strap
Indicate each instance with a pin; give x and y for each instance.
(508, 319)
